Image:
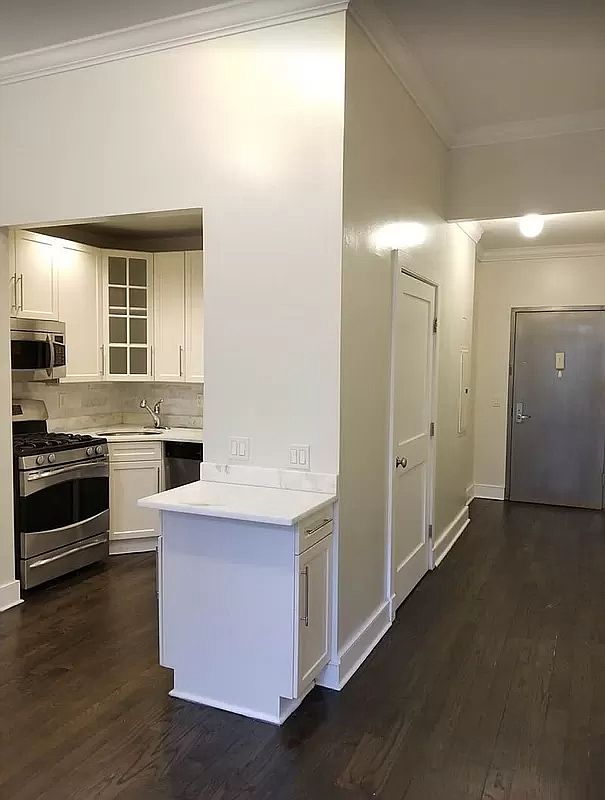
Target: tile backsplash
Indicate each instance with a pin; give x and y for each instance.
(74, 406)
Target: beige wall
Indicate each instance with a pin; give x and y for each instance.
(501, 286)
(552, 175)
(394, 170)
(7, 557)
(250, 128)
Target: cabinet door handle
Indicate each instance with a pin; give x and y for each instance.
(305, 574)
(102, 349)
(13, 280)
(180, 361)
(20, 292)
(310, 531)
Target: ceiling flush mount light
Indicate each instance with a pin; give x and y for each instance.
(531, 225)
(399, 236)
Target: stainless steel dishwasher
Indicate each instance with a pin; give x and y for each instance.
(182, 462)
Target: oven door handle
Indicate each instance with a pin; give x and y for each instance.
(50, 473)
(43, 561)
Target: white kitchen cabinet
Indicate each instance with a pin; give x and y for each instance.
(169, 316)
(80, 308)
(312, 645)
(245, 606)
(194, 316)
(135, 471)
(128, 315)
(34, 276)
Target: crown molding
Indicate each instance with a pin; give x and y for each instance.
(474, 230)
(532, 129)
(541, 252)
(391, 46)
(226, 19)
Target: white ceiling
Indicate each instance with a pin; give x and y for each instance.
(559, 229)
(508, 69)
(33, 24)
(482, 70)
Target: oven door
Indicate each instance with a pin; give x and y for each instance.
(62, 505)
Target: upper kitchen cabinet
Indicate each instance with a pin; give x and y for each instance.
(80, 308)
(34, 276)
(178, 315)
(194, 316)
(128, 317)
(169, 315)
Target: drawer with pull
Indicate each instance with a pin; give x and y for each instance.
(314, 528)
(135, 451)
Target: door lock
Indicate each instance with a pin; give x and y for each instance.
(401, 462)
(519, 415)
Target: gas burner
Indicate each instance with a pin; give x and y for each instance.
(39, 442)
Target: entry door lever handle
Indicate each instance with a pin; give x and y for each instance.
(519, 415)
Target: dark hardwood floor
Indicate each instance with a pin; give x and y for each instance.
(490, 685)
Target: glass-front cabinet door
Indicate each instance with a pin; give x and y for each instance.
(128, 319)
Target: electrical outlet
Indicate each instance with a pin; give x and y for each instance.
(239, 448)
(199, 400)
(300, 456)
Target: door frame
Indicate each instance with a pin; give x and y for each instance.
(511, 374)
(401, 264)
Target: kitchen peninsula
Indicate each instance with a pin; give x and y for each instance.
(244, 594)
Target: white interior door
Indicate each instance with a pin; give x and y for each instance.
(412, 373)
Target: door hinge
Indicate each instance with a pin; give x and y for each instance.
(603, 479)
(435, 325)
(430, 531)
(432, 430)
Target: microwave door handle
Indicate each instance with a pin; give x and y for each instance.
(51, 347)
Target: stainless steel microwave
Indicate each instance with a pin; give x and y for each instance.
(38, 351)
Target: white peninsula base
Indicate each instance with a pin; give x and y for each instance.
(244, 603)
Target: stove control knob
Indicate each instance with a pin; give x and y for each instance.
(52, 458)
(40, 460)
(99, 450)
(90, 451)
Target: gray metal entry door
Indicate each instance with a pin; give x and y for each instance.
(557, 424)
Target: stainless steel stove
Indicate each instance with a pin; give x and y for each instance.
(61, 497)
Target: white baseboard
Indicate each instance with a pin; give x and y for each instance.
(336, 674)
(286, 707)
(10, 595)
(487, 491)
(470, 493)
(450, 536)
(119, 547)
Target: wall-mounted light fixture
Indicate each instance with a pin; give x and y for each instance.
(531, 225)
(399, 236)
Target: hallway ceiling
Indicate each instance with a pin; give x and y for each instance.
(559, 229)
(507, 70)
(482, 70)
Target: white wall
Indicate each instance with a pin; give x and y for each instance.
(394, 170)
(250, 128)
(9, 590)
(501, 286)
(552, 175)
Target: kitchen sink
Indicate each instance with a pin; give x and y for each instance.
(129, 433)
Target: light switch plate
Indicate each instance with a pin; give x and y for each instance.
(300, 456)
(239, 448)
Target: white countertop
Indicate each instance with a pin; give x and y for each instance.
(237, 501)
(195, 435)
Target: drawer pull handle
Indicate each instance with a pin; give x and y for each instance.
(310, 531)
(305, 575)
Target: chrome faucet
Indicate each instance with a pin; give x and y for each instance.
(154, 413)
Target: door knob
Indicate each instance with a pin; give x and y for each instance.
(401, 462)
